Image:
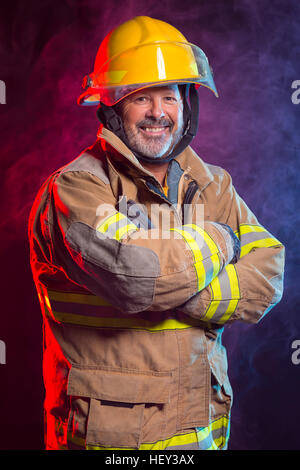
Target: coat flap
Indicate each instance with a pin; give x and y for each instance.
(120, 386)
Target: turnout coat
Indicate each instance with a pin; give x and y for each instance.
(136, 283)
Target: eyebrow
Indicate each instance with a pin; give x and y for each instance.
(144, 92)
(120, 106)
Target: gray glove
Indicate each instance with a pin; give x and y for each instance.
(236, 244)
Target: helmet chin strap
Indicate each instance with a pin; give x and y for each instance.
(113, 122)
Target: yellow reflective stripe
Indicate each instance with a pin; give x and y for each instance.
(219, 442)
(235, 293)
(213, 446)
(118, 322)
(217, 424)
(201, 275)
(77, 298)
(191, 243)
(211, 244)
(180, 440)
(205, 433)
(211, 310)
(111, 220)
(198, 265)
(216, 288)
(106, 321)
(119, 232)
(234, 283)
(267, 242)
(216, 264)
(264, 243)
(244, 228)
(229, 311)
(123, 230)
(216, 295)
(197, 253)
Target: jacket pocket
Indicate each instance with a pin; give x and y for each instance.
(117, 401)
(195, 394)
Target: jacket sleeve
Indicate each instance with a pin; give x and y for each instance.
(248, 289)
(99, 248)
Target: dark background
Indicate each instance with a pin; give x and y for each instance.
(252, 130)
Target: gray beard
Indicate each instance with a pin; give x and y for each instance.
(155, 147)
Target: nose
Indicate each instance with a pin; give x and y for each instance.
(155, 108)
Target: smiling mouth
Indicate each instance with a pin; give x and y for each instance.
(154, 130)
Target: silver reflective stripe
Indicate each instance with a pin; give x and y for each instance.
(116, 226)
(221, 309)
(89, 310)
(192, 446)
(255, 236)
(215, 436)
(252, 236)
(205, 253)
(225, 295)
(203, 246)
(210, 272)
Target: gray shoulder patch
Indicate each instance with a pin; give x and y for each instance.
(88, 162)
(123, 274)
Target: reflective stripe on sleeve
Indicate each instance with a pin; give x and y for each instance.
(205, 253)
(255, 236)
(225, 290)
(116, 226)
(225, 294)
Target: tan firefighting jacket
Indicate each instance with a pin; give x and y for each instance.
(134, 301)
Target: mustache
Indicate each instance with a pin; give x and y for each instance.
(158, 122)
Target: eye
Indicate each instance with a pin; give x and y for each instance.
(141, 100)
(170, 99)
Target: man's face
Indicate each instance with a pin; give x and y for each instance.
(153, 120)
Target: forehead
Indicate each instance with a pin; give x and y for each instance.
(157, 90)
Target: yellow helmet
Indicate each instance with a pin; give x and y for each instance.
(143, 52)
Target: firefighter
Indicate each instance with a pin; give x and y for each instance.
(141, 254)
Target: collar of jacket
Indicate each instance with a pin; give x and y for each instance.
(189, 161)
